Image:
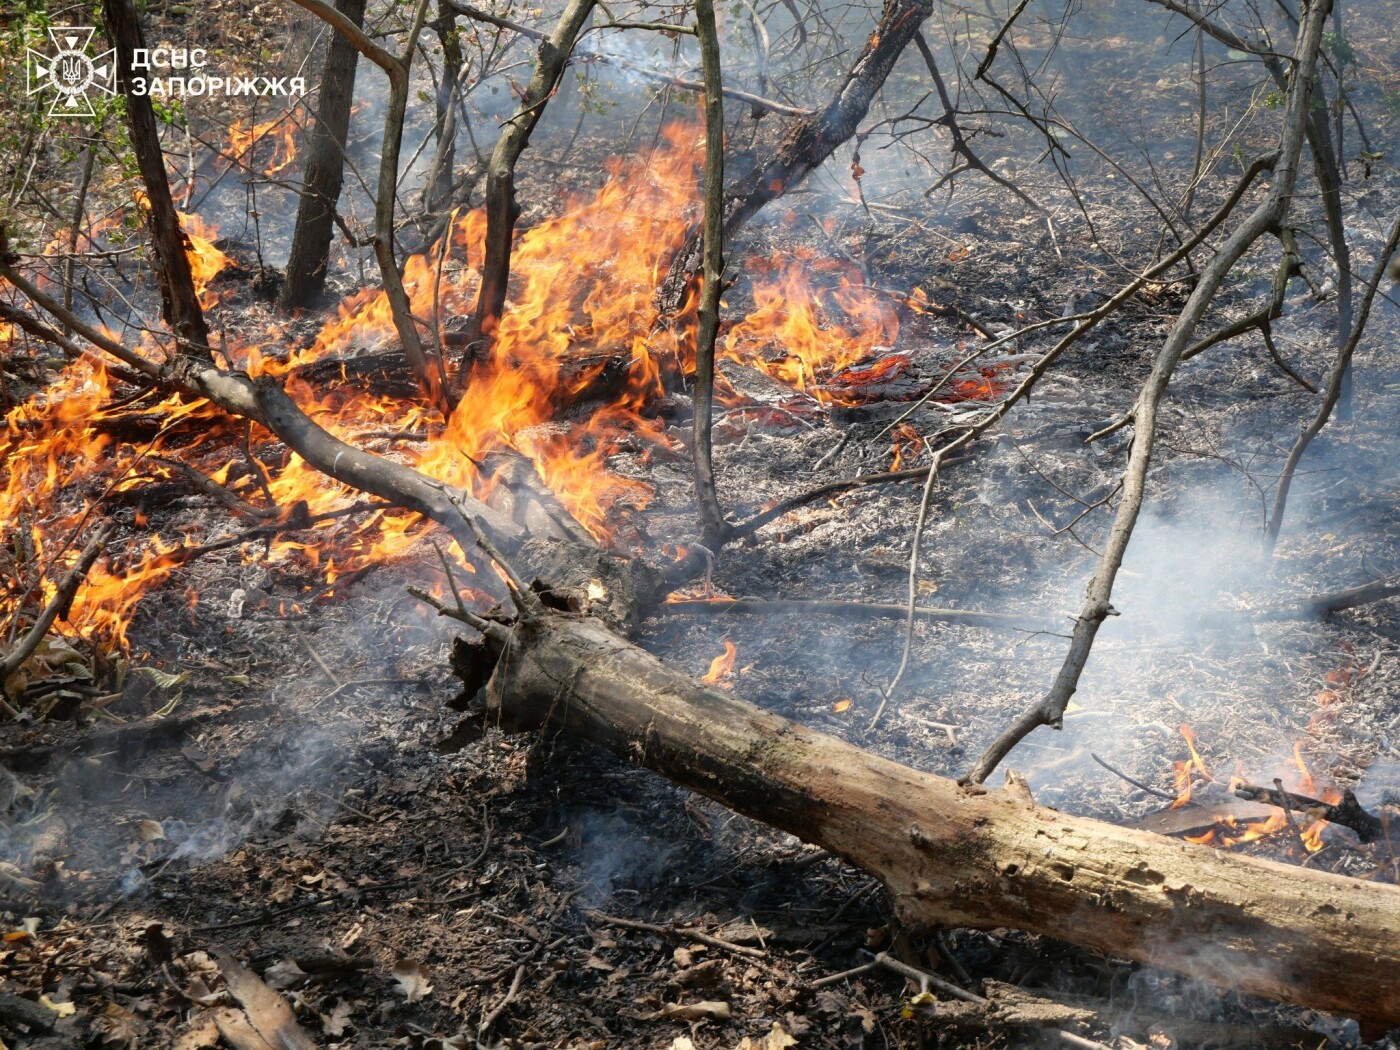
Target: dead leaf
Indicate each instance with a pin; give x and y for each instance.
(62, 1009)
(413, 979)
(352, 936)
(149, 831)
(776, 1039)
(267, 1012)
(682, 1042)
(707, 1009)
(283, 975)
(202, 1036)
(335, 1021)
(239, 1032)
(198, 992)
(199, 759)
(118, 1027)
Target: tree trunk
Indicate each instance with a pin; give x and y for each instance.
(501, 207)
(808, 142)
(180, 305)
(955, 856)
(325, 168)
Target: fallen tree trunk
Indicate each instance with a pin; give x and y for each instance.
(963, 856)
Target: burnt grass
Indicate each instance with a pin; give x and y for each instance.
(311, 797)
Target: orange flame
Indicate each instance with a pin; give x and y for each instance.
(281, 131)
(722, 664)
(581, 302)
(1229, 832)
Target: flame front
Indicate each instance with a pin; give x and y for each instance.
(579, 332)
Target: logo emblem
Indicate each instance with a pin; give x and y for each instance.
(69, 72)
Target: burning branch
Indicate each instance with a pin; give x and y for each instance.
(1348, 812)
(264, 402)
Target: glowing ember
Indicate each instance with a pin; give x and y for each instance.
(722, 664)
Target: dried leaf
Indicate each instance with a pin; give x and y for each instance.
(283, 975)
(335, 1021)
(707, 1009)
(198, 992)
(198, 759)
(149, 831)
(919, 1005)
(62, 1009)
(778, 1038)
(413, 979)
(203, 1036)
(118, 1027)
(163, 680)
(268, 1014)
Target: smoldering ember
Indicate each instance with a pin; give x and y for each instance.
(778, 524)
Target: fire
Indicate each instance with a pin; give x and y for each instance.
(206, 261)
(798, 334)
(1182, 772)
(579, 329)
(907, 442)
(722, 664)
(1229, 832)
(281, 131)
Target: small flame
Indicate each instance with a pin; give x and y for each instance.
(1229, 832)
(281, 131)
(722, 664)
(1182, 772)
(907, 441)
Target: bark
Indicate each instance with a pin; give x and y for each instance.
(325, 168)
(502, 210)
(955, 856)
(808, 142)
(180, 305)
(712, 524)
